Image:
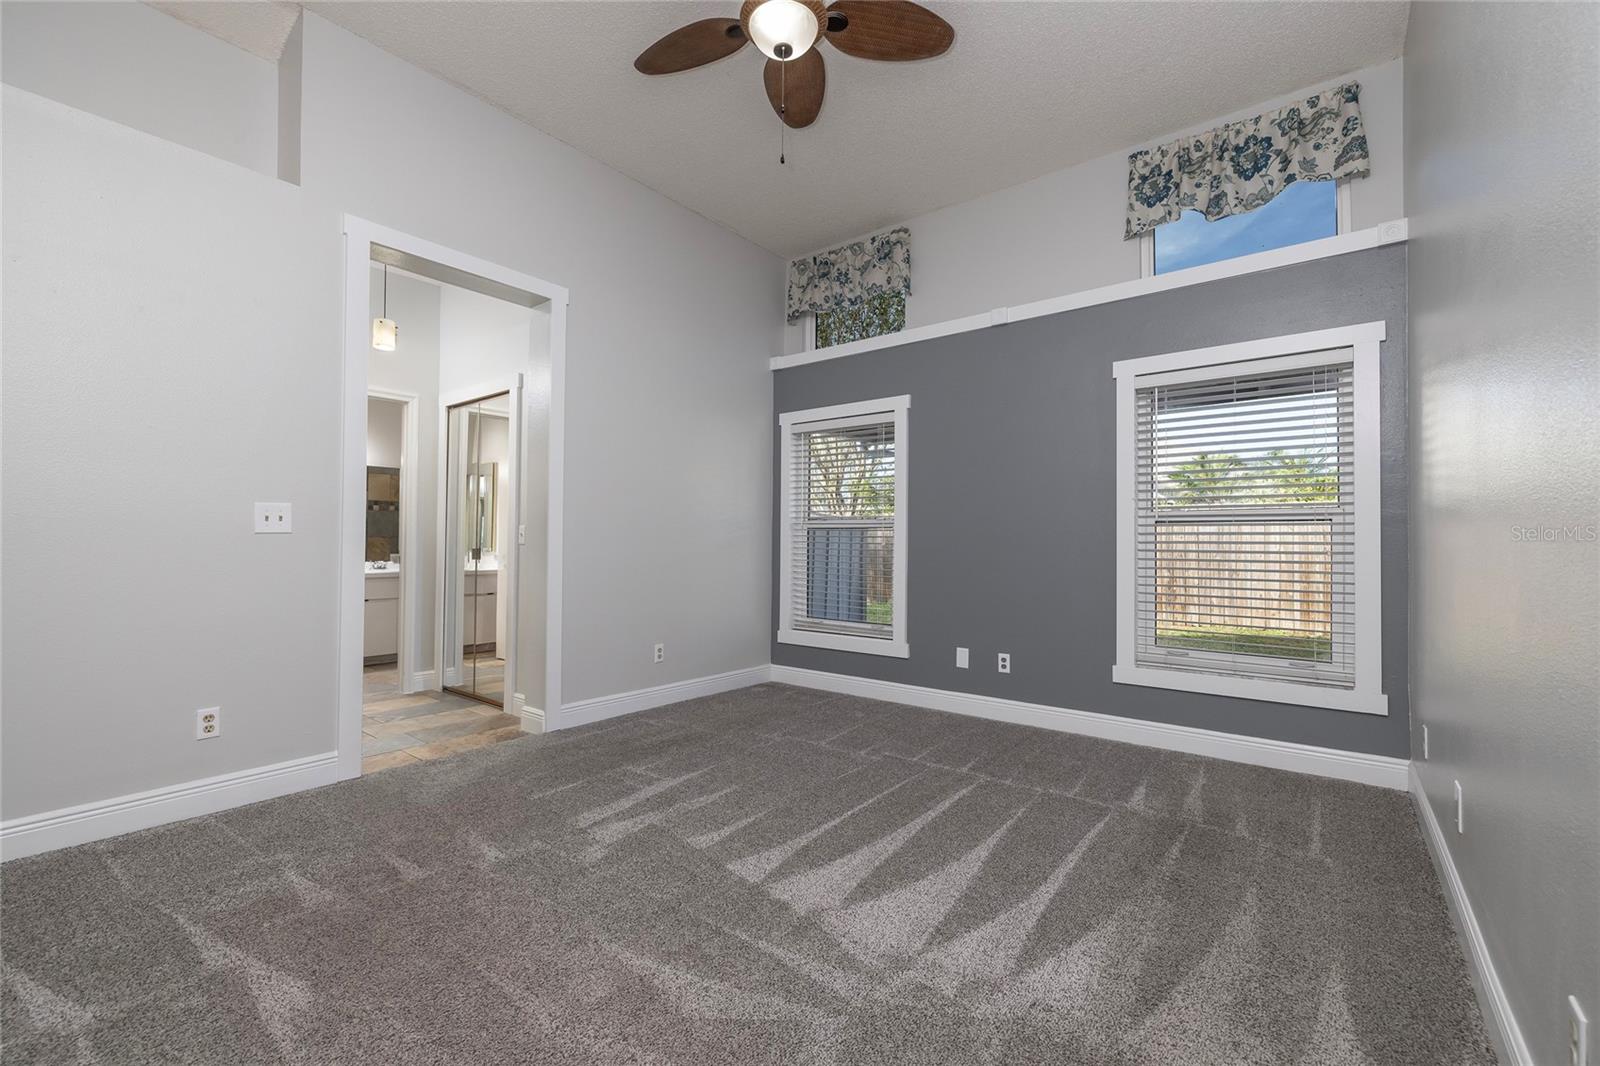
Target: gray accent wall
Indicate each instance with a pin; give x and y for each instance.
(1012, 536)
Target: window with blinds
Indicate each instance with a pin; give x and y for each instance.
(1245, 524)
(843, 569)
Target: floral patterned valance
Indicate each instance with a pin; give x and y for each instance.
(1238, 167)
(845, 277)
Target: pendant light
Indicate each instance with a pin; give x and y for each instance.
(384, 331)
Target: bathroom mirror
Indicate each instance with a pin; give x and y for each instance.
(480, 504)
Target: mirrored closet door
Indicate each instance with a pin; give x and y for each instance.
(477, 545)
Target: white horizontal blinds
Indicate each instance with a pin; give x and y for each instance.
(1245, 509)
(843, 513)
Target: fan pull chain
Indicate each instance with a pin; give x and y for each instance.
(783, 110)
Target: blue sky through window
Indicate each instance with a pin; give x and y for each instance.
(1305, 211)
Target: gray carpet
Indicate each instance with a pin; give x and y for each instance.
(773, 875)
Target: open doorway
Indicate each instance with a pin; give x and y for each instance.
(450, 559)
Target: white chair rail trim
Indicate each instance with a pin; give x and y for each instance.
(1394, 232)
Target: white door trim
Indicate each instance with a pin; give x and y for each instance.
(360, 235)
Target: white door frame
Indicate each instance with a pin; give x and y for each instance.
(405, 651)
(360, 235)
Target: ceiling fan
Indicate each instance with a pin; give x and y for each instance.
(786, 30)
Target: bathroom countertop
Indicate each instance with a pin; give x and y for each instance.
(388, 571)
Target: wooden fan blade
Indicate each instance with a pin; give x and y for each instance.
(895, 30)
(691, 46)
(796, 93)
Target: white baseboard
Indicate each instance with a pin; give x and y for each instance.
(600, 708)
(532, 718)
(1498, 1017)
(423, 681)
(35, 833)
(1381, 770)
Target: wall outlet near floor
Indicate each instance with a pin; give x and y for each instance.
(1460, 821)
(274, 518)
(1424, 743)
(961, 658)
(207, 722)
(661, 653)
(1578, 1034)
(1003, 662)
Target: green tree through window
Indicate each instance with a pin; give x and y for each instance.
(880, 314)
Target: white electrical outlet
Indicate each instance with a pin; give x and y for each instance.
(961, 658)
(274, 518)
(661, 653)
(1424, 743)
(1460, 821)
(207, 722)
(1578, 1033)
(1004, 662)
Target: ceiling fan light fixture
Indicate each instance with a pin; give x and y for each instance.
(783, 29)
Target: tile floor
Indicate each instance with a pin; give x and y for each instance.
(400, 730)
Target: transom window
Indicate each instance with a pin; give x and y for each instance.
(842, 580)
(1248, 557)
(1305, 211)
(876, 316)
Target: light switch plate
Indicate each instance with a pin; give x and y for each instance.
(274, 518)
(961, 658)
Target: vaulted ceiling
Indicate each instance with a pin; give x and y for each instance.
(1027, 88)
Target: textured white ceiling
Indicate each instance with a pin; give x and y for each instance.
(259, 27)
(1027, 88)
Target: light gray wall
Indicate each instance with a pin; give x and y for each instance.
(672, 319)
(171, 357)
(143, 68)
(1012, 513)
(1503, 150)
(162, 303)
(1063, 232)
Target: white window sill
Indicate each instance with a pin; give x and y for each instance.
(897, 649)
(1252, 688)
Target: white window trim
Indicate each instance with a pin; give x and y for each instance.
(789, 423)
(1147, 240)
(1362, 341)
